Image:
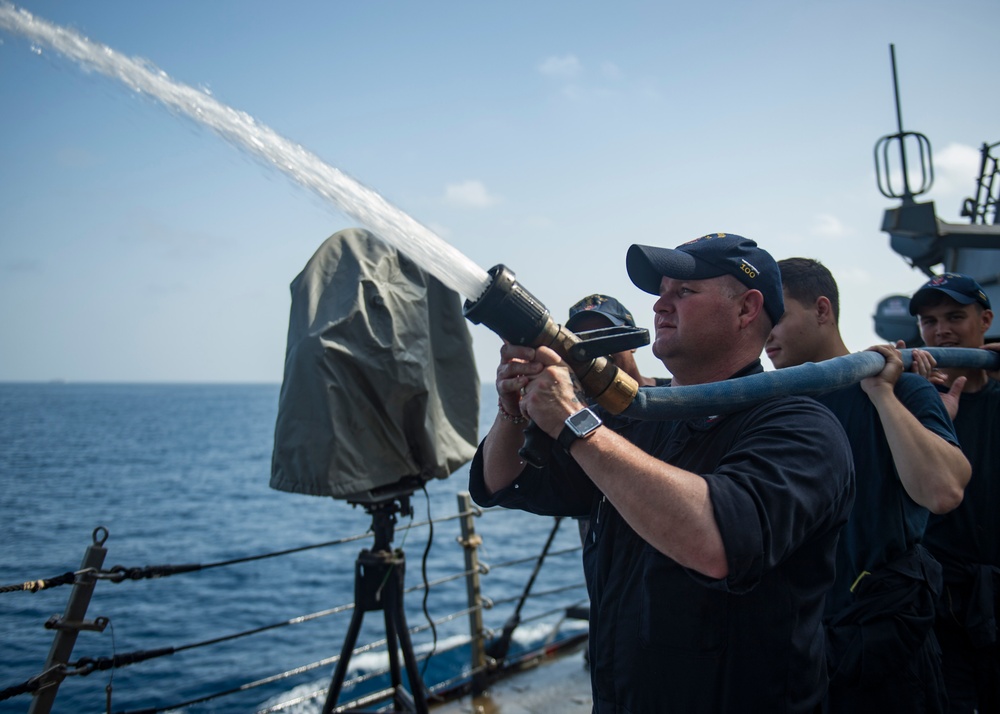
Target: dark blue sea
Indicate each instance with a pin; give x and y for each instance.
(178, 474)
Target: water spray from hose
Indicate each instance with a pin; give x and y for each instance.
(239, 128)
(495, 298)
(601, 378)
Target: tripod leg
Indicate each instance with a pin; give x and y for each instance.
(393, 649)
(345, 657)
(401, 698)
(394, 611)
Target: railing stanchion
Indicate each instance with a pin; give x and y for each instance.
(470, 542)
(71, 623)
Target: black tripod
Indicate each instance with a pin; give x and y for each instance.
(378, 585)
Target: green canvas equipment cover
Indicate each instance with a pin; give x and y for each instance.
(380, 387)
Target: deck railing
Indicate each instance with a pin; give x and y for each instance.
(487, 639)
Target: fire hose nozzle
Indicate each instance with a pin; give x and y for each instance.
(508, 309)
(520, 318)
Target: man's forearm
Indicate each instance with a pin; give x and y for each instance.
(933, 471)
(501, 462)
(668, 507)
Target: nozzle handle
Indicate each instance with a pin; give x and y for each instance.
(537, 446)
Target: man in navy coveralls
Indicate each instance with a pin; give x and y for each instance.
(954, 311)
(712, 540)
(883, 655)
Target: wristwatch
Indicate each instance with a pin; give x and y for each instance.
(578, 426)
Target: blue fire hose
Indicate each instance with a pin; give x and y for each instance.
(731, 395)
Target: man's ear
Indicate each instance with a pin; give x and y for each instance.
(752, 305)
(824, 310)
(987, 320)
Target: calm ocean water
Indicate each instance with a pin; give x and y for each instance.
(179, 474)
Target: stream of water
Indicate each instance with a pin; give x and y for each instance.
(359, 202)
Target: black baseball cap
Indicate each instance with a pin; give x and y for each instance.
(709, 257)
(603, 305)
(960, 288)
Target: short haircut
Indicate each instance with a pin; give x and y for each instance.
(807, 280)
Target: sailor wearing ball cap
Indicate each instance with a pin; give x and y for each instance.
(712, 540)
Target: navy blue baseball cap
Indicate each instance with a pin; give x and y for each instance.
(709, 257)
(960, 288)
(605, 306)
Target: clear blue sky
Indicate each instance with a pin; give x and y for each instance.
(548, 136)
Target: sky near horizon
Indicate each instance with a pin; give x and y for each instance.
(137, 246)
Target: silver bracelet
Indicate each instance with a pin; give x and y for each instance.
(507, 416)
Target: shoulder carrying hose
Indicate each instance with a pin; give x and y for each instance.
(806, 379)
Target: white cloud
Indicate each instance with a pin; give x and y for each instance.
(956, 168)
(608, 83)
(566, 67)
(470, 193)
(958, 159)
(828, 226)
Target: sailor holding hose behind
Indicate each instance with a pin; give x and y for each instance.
(954, 311)
(883, 654)
(712, 540)
(597, 311)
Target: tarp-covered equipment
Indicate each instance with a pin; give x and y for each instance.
(380, 387)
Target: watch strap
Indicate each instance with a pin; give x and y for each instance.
(572, 431)
(566, 437)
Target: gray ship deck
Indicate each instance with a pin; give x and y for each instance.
(556, 684)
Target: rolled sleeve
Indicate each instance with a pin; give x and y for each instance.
(785, 477)
(560, 489)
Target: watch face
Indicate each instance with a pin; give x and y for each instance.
(583, 422)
